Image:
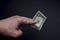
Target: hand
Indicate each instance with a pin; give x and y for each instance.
(9, 26)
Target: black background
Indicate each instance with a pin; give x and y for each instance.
(28, 8)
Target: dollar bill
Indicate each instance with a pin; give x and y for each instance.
(40, 19)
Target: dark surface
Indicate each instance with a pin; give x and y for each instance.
(28, 8)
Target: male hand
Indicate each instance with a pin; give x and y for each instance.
(9, 26)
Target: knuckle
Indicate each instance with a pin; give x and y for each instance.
(21, 33)
(18, 34)
(15, 35)
(16, 16)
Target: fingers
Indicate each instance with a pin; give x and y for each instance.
(25, 20)
(14, 22)
(16, 33)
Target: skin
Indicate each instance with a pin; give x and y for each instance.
(9, 26)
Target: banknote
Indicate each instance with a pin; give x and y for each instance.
(40, 19)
